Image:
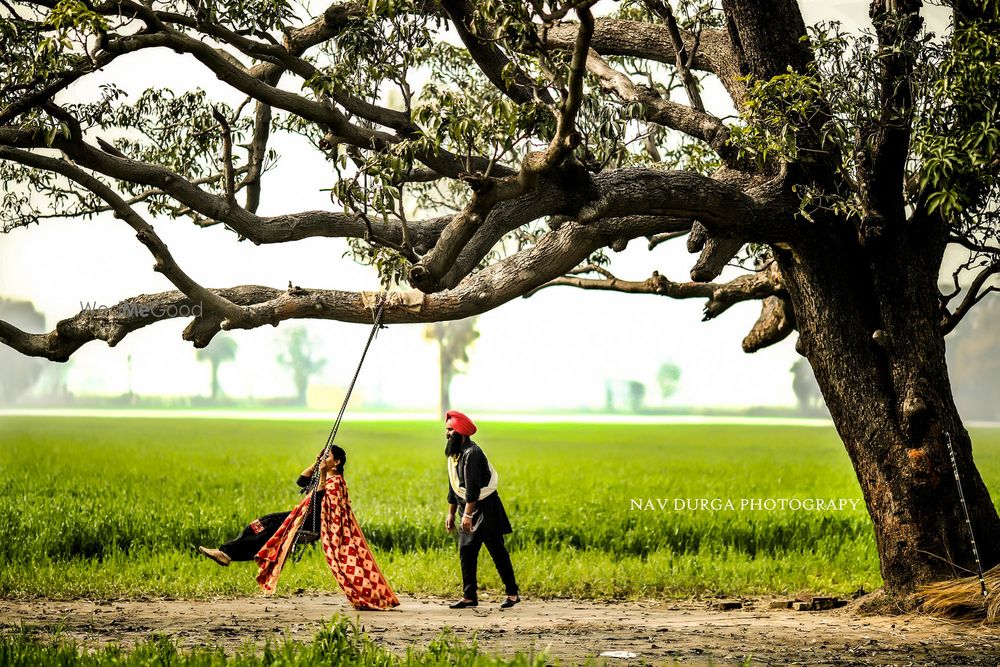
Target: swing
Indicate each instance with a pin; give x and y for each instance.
(333, 523)
(344, 545)
(306, 537)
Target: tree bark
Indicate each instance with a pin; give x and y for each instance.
(866, 324)
(867, 309)
(766, 38)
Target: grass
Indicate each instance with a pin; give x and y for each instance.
(338, 643)
(109, 508)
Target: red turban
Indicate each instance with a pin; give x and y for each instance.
(459, 423)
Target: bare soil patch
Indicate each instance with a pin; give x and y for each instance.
(571, 631)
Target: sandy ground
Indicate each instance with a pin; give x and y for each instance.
(571, 631)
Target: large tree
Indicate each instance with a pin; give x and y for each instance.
(219, 351)
(301, 359)
(453, 340)
(536, 135)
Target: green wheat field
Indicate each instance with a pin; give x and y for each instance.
(97, 507)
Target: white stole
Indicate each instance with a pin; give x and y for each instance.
(452, 463)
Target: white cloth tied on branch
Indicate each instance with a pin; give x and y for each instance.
(412, 300)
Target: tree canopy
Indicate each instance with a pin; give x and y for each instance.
(453, 340)
(539, 134)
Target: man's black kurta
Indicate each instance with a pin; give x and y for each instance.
(474, 474)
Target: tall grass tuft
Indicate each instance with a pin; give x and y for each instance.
(339, 642)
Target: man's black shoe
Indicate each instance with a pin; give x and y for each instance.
(462, 604)
(508, 603)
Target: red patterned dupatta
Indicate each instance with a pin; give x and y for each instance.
(344, 546)
(347, 552)
(271, 557)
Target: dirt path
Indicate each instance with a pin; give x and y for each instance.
(569, 630)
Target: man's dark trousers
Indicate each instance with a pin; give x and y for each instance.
(469, 555)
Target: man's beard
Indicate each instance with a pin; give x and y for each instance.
(455, 445)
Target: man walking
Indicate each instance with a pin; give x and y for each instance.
(472, 484)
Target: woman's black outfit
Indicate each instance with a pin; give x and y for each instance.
(256, 535)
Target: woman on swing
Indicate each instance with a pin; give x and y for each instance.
(269, 539)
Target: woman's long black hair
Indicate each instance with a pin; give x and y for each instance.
(339, 454)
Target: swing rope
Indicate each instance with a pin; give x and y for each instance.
(315, 477)
(965, 513)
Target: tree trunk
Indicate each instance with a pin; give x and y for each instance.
(868, 316)
(215, 380)
(766, 39)
(301, 387)
(445, 375)
(867, 320)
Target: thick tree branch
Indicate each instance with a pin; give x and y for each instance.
(714, 256)
(882, 161)
(555, 253)
(693, 122)
(145, 195)
(492, 60)
(760, 284)
(682, 58)
(426, 275)
(276, 229)
(727, 210)
(671, 199)
(637, 39)
(715, 252)
(775, 323)
(721, 296)
(659, 239)
(227, 312)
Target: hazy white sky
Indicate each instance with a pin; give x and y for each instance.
(554, 350)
